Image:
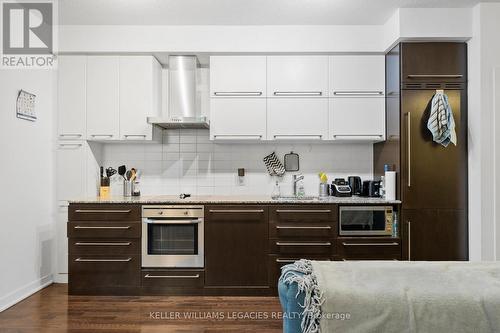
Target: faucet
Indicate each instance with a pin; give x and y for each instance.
(296, 179)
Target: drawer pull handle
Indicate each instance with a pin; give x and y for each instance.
(322, 227)
(122, 211)
(102, 260)
(102, 244)
(370, 244)
(286, 260)
(303, 211)
(423, 76)
(197, 276)
(116, 228)
(303, 244)
(236, 211)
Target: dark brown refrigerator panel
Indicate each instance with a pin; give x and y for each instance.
(433, 62)
(432, 176)
(432, 234)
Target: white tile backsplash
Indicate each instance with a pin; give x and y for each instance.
(188, 162)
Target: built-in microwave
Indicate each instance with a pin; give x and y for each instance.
(365, 220)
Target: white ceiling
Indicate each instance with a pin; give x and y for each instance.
(239, 12)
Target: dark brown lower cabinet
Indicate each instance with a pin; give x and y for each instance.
(236, 247)
(434, 234)
(172, 281)
(368, 248)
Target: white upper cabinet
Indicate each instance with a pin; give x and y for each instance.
(297, 118)
(71, 97)
(238, 76)
(140, 91)
(354, 118)
(103, 98)
(358, 75)
(297, 76)
(238, 119)
(121, 93)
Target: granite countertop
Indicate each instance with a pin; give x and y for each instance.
(229, 199)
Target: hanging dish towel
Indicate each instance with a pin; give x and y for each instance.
(441, 122)
(273, 165)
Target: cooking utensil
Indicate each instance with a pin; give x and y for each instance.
(110, 172)
(134, 175)
(128, 175)
(121, 170)
(291, 162)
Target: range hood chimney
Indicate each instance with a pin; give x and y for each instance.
(183, 100)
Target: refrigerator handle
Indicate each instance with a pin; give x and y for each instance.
(409, 240)
(408, 153)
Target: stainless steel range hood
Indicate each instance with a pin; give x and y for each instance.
(183, 97)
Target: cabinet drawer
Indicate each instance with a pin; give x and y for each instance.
(104, 246)
(301, 247)
(104, 229)
(369, 249)
(88, 271)
(321, 214)
(300, 230)
(188, 278)
(277, 261)
(103, 212)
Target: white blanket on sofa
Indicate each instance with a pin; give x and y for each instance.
(427, 297)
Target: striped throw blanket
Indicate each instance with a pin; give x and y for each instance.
(441, 122)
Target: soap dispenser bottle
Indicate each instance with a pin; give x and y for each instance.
(276, 191)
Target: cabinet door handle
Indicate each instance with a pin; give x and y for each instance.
(303, 211)
(238, 137)
(326, 227)
(409, 240)
(74, 145)
(101, 135)
(126, 136)
(102, 260)
(116, 228)
(408, 153)
(358, 93)
(359, 137)
(70, 135)
(424, 76)
(299, 137)
(172, 276)
(236, 211)
(102, 244)
(303, 244)
(122, 211)
(298, 93)
(238, 93)
(370, 244)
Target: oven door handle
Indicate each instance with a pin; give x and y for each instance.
(162, 221)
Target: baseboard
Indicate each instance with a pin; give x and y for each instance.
(24, 292)
(61, 278)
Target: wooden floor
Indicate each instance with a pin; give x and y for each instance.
(52, 310)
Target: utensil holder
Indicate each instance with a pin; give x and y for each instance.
(323, 190)
(127, 188)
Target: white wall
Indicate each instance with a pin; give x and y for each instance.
(188, 162)
(27, 200)
(484, 57)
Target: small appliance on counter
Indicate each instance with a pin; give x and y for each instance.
(340, 188)
(371, 188)
(355, 184)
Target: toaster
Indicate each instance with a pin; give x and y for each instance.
(371, 188)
